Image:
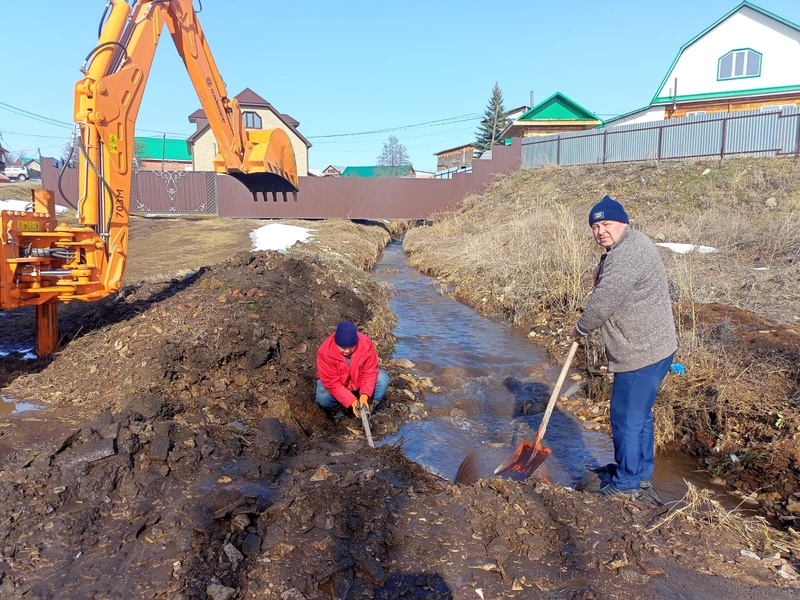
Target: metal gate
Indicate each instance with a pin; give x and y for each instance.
(173, 192)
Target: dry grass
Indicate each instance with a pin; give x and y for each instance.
(521, 248)
(699, 508)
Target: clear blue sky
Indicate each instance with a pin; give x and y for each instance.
(355, 72)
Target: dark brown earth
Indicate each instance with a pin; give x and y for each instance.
(182, 456)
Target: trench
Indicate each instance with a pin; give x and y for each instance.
(484, 370)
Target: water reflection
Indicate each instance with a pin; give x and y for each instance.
(8, 406)
(494, 383)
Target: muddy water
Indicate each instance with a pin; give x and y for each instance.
(486, 371)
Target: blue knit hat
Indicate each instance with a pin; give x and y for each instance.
(607, 209)
(346, 335)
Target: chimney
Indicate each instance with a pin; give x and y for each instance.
(531, 98)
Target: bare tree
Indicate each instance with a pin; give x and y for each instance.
(394, 155)
(139, 151)
(69, 155)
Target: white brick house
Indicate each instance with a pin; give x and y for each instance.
(257, 114)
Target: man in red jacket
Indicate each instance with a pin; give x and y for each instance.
(347, 368)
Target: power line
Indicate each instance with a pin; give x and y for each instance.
(436, 123)
(36, 117)
(447, 121)
(47, 137)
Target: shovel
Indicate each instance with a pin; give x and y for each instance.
(528, 456)
(363, 411)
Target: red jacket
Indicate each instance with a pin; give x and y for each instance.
(342, 379)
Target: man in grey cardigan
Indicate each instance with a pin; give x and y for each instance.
(631, 306)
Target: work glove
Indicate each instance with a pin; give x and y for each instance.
(362, 402)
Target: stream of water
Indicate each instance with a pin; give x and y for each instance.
(485, 370)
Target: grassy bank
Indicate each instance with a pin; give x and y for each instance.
(523, 251)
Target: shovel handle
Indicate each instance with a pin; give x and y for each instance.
(556, 391)
(364, 412)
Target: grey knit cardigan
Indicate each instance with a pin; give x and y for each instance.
(631, 305)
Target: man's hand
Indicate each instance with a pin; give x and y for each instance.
(361, 401)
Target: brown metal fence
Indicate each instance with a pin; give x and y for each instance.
(319, 197)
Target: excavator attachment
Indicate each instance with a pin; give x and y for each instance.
(268, 165)
(265, 183)
(44, 262)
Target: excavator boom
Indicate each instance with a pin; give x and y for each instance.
(44, 262)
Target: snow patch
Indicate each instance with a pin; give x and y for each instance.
(686, 248)
(277, 236)
(23, 205)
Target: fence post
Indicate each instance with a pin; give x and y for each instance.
(797, 136)
(605, 145)
(660, 142)
(558, 150)
(724, 136)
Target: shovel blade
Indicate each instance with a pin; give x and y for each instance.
(525, 460)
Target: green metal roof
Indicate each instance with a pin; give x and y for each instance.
(558, 108)
(158, 148)
(378, 171)
(711, 95)
(744, 4)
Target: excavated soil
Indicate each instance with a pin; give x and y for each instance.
(180, 454)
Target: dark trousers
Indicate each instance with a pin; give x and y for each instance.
(632, 398)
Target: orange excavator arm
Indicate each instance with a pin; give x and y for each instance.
(44, 262)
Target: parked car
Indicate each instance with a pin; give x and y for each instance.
(18, 172)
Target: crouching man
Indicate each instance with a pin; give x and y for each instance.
(347, 371)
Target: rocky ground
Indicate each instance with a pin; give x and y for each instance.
(181, 455)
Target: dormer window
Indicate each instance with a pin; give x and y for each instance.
(739, 63)
(251, 120)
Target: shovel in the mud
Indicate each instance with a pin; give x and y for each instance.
(363, 412)
(528, 456)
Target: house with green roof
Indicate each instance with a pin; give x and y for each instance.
(380, 171)
(556, 114)
(746, 60)
(162, 154)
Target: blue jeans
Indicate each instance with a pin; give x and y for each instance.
(632, 398)
(326, 400)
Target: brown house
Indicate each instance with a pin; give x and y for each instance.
(459, 157)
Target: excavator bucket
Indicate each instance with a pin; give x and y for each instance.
(269, 164)
(262, 184)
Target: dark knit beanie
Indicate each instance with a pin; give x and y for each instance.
(346, 335)
(607, 209)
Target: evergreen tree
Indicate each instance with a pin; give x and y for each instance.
(394, 155)
(492, 124)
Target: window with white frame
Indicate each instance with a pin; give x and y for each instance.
(739, 63)
(251, 120)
